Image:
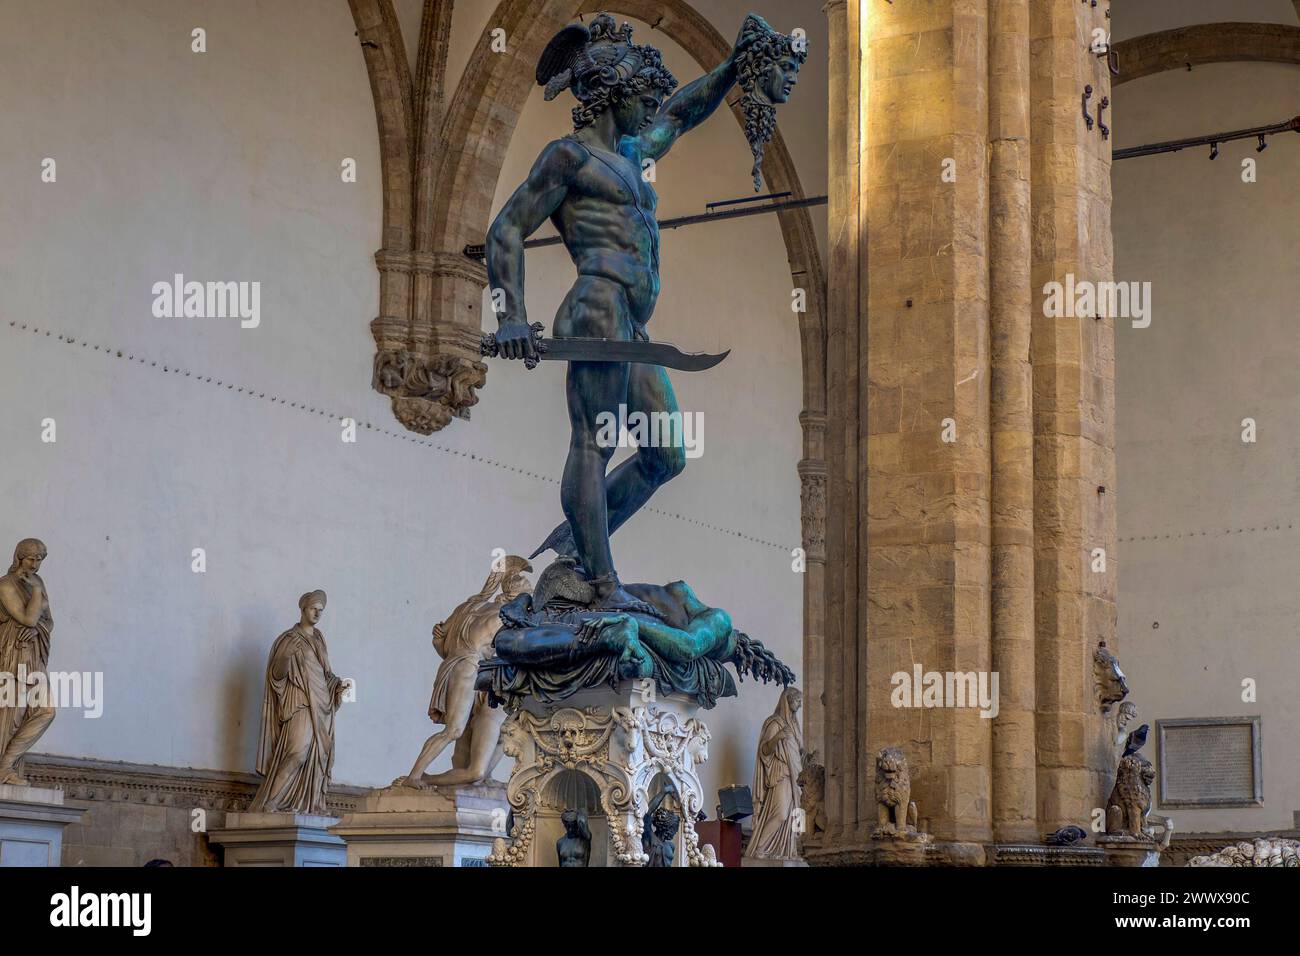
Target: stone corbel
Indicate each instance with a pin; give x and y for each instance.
(429, 364)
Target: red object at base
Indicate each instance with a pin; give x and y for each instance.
(724, 837)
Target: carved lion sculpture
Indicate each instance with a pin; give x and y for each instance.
(812, 794)
(1130, 799)
(895, 810)
(1112, 685)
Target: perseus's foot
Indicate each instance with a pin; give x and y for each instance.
(411, 781)
(611, 596)
(617, 599)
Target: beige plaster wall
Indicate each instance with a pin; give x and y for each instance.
(1209, 544)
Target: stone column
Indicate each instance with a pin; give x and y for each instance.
(927, 517)
(1011, 422)
(845, 722)
(1074, 403)
(967, 436)
(908, 443)
(812, 483)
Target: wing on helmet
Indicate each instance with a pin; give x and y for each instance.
(555, 68)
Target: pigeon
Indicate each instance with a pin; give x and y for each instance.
(1066, 836)
(1136, 740)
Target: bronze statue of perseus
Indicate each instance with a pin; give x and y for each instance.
(591, 185)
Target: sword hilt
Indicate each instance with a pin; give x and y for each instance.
(489, 347)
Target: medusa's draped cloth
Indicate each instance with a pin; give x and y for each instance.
(552, 652)
(296, 750)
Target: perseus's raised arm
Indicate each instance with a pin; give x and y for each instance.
(524, 212)
(688, 108)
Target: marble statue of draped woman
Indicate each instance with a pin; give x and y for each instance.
(295, 754)
(776, 782)
(26, 625)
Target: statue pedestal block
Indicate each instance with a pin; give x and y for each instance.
(32, 820)
(753, 861)
(1129, 851)
(447, 826)
(280, 839)
(607, 751)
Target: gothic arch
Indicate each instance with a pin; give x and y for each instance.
(1206, 43)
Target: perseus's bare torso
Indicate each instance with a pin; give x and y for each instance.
(607, 222)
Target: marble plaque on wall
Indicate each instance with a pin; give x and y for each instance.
(1210, 762)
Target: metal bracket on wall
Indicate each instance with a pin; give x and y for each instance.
(1087, 95)
(1101, 108)
(1112, 58)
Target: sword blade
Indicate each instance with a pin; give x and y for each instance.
(644, 353)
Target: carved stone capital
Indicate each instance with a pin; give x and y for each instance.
(428, 393)
(449, 264)
(393, 260)
(812, 486)
(426, 363)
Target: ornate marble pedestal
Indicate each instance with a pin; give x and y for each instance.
(280, 839)
(31, 825)
(448, 826)
(608, 751)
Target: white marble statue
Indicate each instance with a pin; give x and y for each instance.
(776, 787)
(296, 751)
(25, 628)
(463, 640)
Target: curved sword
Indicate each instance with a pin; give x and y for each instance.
(609, 350)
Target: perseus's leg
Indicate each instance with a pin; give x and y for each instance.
(632, 483)
(593, 388)
(594, 308)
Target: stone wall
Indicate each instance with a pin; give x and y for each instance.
(142, 812)
(1211, 547)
